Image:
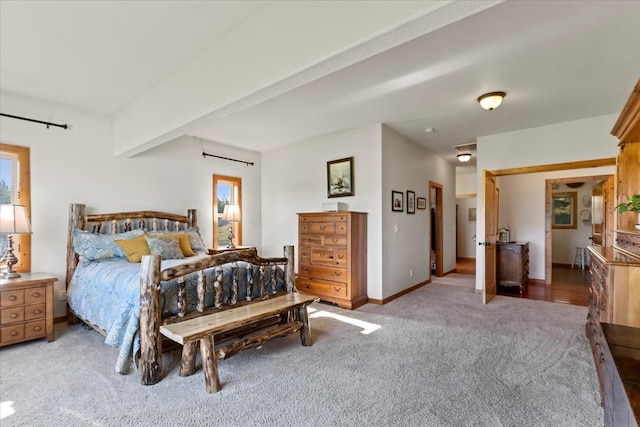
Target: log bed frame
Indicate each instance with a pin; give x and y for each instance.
(244, 324)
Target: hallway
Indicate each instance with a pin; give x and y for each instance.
(569, 285)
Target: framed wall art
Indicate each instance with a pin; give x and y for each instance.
(340, 178)
(564, 211)
(397, 201)
(421, 203)
(472, 214)
(411, 202)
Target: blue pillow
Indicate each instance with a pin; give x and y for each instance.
(93, 247)
(166, 247)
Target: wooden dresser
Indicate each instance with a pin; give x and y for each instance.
(614, 293)
(26, 308)
(512, 265)
(332, 261)
(621, 365)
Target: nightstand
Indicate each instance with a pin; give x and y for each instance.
(26, 308)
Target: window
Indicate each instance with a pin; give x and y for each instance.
(226, 190)
(15, 189)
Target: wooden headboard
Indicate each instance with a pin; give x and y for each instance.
(120, 222)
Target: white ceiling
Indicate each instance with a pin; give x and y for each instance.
(557, 61)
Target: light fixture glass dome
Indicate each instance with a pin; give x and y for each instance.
(464, 157)
(491, 100)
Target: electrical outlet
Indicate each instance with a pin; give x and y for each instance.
(62, 295)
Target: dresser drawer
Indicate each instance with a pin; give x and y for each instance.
(11, 315)
(321, 256)
(327, 217)
(35, 329)
(320, 227)
(35, 311)
(35, 295)
(324, 273)
(12, 333)
(322, 288)
(311, 240)
(335, 241)
(9, 298)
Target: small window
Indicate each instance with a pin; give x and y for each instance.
(226, 191)
(15, 189)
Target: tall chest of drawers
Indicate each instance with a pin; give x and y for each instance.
(332, 260)
(26, 308)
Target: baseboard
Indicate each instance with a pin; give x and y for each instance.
(60, 319)
(561, 265)
(399, 294)
(536, 282)
(465, 259)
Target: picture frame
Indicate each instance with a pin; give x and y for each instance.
(411, 202)
(564, 210)
(340, 178)
(472, 214)
(397, 201)
(421, 203)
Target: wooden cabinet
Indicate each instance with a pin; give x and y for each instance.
(620, 361)
(512, 266)
(332, 257)
(26, 308)
(614, 297)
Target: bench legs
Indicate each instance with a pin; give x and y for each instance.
(209, 364)
(305, 331)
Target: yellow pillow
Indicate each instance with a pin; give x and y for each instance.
(135, 248)
(183, 239)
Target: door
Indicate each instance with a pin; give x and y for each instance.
(490, 203)
(436, 191)
(597, 214)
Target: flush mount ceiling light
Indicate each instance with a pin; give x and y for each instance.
(491, 100)
(464, 157)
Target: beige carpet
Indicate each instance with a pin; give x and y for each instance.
(434, 357)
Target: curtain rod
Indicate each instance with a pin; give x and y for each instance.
(226, 158)
(34, 121)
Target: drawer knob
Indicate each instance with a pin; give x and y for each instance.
(36, 294)
(601, 305)
(307, 270)
(37, 328)
(14, 315)
(341, 256)
(322, 227)
(306, 285)
(337, 273)
(36, 311)
(334, 240)
(601, 358)
(336, 289)
(13, 298)
(14, 333)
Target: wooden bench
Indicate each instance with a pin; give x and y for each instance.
(290, 308)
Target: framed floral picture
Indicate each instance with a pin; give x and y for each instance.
(397, 201)
(411, 202)
(340, 178)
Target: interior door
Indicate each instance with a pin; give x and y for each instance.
(597, 213)
(490, 203)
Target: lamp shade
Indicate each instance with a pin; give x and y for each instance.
(464, 157)
(231, 213)
(491, 100)
(14, 220)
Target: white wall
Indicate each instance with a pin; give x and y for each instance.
(560, 143)
(407, 166)
(77, 166)
(294, 179)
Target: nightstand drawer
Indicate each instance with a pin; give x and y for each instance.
(34, 295)
(9, 298)
(35, 311)
(11, 315)
(35, 329)
(12, 333)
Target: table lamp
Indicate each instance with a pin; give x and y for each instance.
(13, 220)
(231, 213)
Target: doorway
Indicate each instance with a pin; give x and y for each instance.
(436, 255)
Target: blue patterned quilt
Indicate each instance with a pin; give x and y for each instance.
(106, 293)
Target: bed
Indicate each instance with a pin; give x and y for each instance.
(127, 301)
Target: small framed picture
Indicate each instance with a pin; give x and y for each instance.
(340, 178)
(397, 201)
(411, 202)
(421, 203)
(472, 214)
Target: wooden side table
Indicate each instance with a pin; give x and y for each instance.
(26, 308)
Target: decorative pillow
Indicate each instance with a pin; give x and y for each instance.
(195, 239)
(165, 246)
(135, 248)
(93, 246)
(185, 246)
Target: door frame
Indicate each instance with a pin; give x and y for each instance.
(438, 189)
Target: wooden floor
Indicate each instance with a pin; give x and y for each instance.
(568, 285)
